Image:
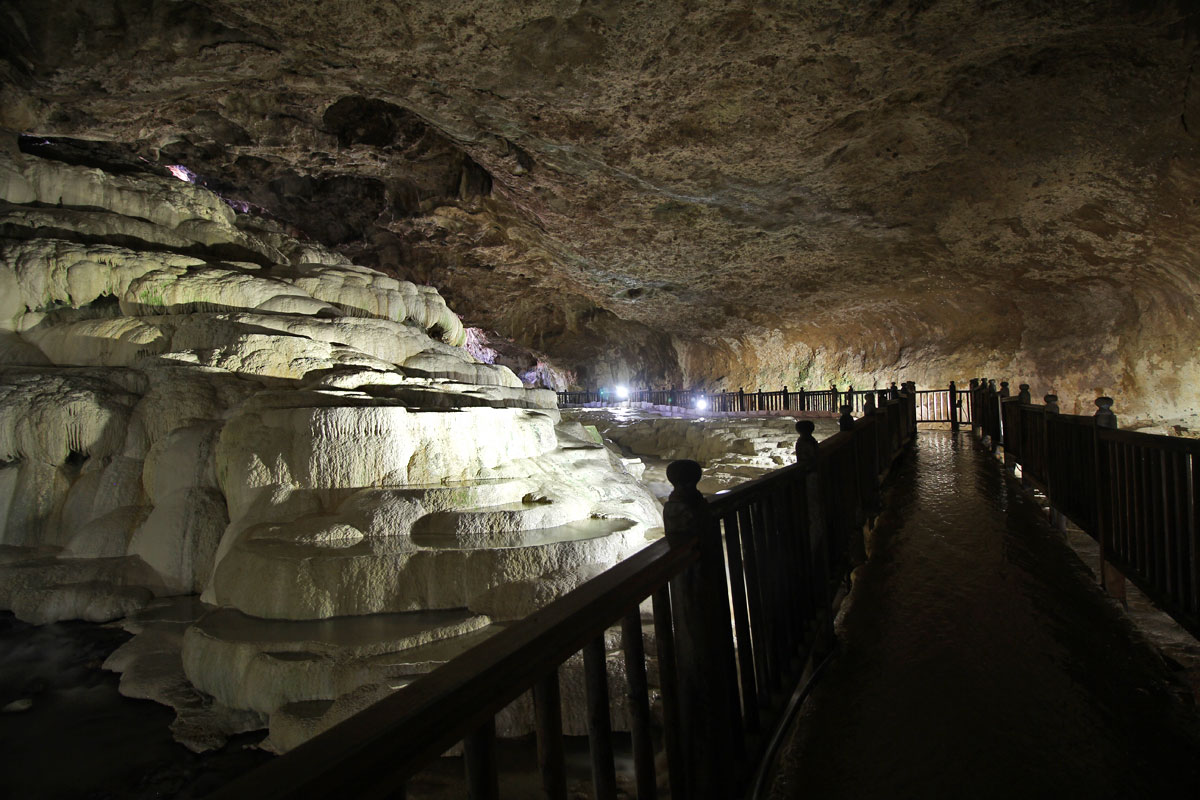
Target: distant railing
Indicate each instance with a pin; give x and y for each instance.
(740, 597)
(1136, 494)
(932, 405)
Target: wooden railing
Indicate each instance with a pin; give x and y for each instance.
(735, 600)
(932, 405)
(1136, 494)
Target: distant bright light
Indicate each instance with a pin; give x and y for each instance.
(623, 392)
(182, 172)
(701, 404)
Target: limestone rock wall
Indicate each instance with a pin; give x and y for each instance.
(297, 439)
(690, 193)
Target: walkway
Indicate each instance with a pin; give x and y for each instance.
(979, 660)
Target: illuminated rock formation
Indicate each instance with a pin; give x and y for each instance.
(295, 437)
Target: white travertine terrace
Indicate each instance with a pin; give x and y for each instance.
(296, 439)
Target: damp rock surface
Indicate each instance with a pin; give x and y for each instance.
(675, 193)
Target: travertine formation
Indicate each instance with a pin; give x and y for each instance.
(297, 439)
(731, 450)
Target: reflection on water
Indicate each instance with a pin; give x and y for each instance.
(979, 660)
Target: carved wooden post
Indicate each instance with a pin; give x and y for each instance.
(760, 401)
(802, 400)
(846, 420)
(1105, 417)
(786, 401)
(808, 453)
(910, 388)
(741, 399)
(973, 401)
(1056, 517)
(953, 406)
(1111, 578)
(1023, 396)
(708, 693)
(868, 404)
(1004, 389)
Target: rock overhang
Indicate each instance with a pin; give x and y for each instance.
(693, 192)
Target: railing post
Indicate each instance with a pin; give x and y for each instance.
(911, 388)
(802, 401)
(846, 420)
(741, 399)
(1023, 395)
(808, 452)
(991, 400)
(1057, 518)
(1004, 394)
(1111, 578)
(708, 692)
(953, 406)
(786, 405)
(760, 401)
(973, 401)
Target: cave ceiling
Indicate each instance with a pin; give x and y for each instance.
(879, 178)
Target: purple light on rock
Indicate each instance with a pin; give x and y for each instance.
(182, 172)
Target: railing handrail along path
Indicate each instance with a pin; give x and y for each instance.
(1136, 494)
(741, 597)
(932, 405)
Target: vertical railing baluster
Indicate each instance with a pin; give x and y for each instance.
(1174, 496)
(639, 704)
(668, 686)
(768, 584)
(599, 722)
(1129, 537)
(741, 620)
(1192, 557)
(547, 714)
(763, 663)
(479, 758)
(1162, 524)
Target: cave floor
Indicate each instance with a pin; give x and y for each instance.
(978, 658)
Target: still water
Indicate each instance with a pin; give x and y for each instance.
(978, 659)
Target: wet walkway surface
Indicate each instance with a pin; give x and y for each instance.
(978, 659)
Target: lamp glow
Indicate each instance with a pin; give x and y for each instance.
(623, 392)
(701, 404)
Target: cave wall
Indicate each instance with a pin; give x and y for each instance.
(697, 193)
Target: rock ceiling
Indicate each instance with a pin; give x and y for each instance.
(699, 191)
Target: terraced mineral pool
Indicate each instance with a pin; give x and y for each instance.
(978, 659)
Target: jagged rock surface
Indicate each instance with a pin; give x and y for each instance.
(297, 439)
(741, 195)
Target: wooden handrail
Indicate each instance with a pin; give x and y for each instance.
(933, 405)
(761, 535)
(1137, 494)
(426, 718)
